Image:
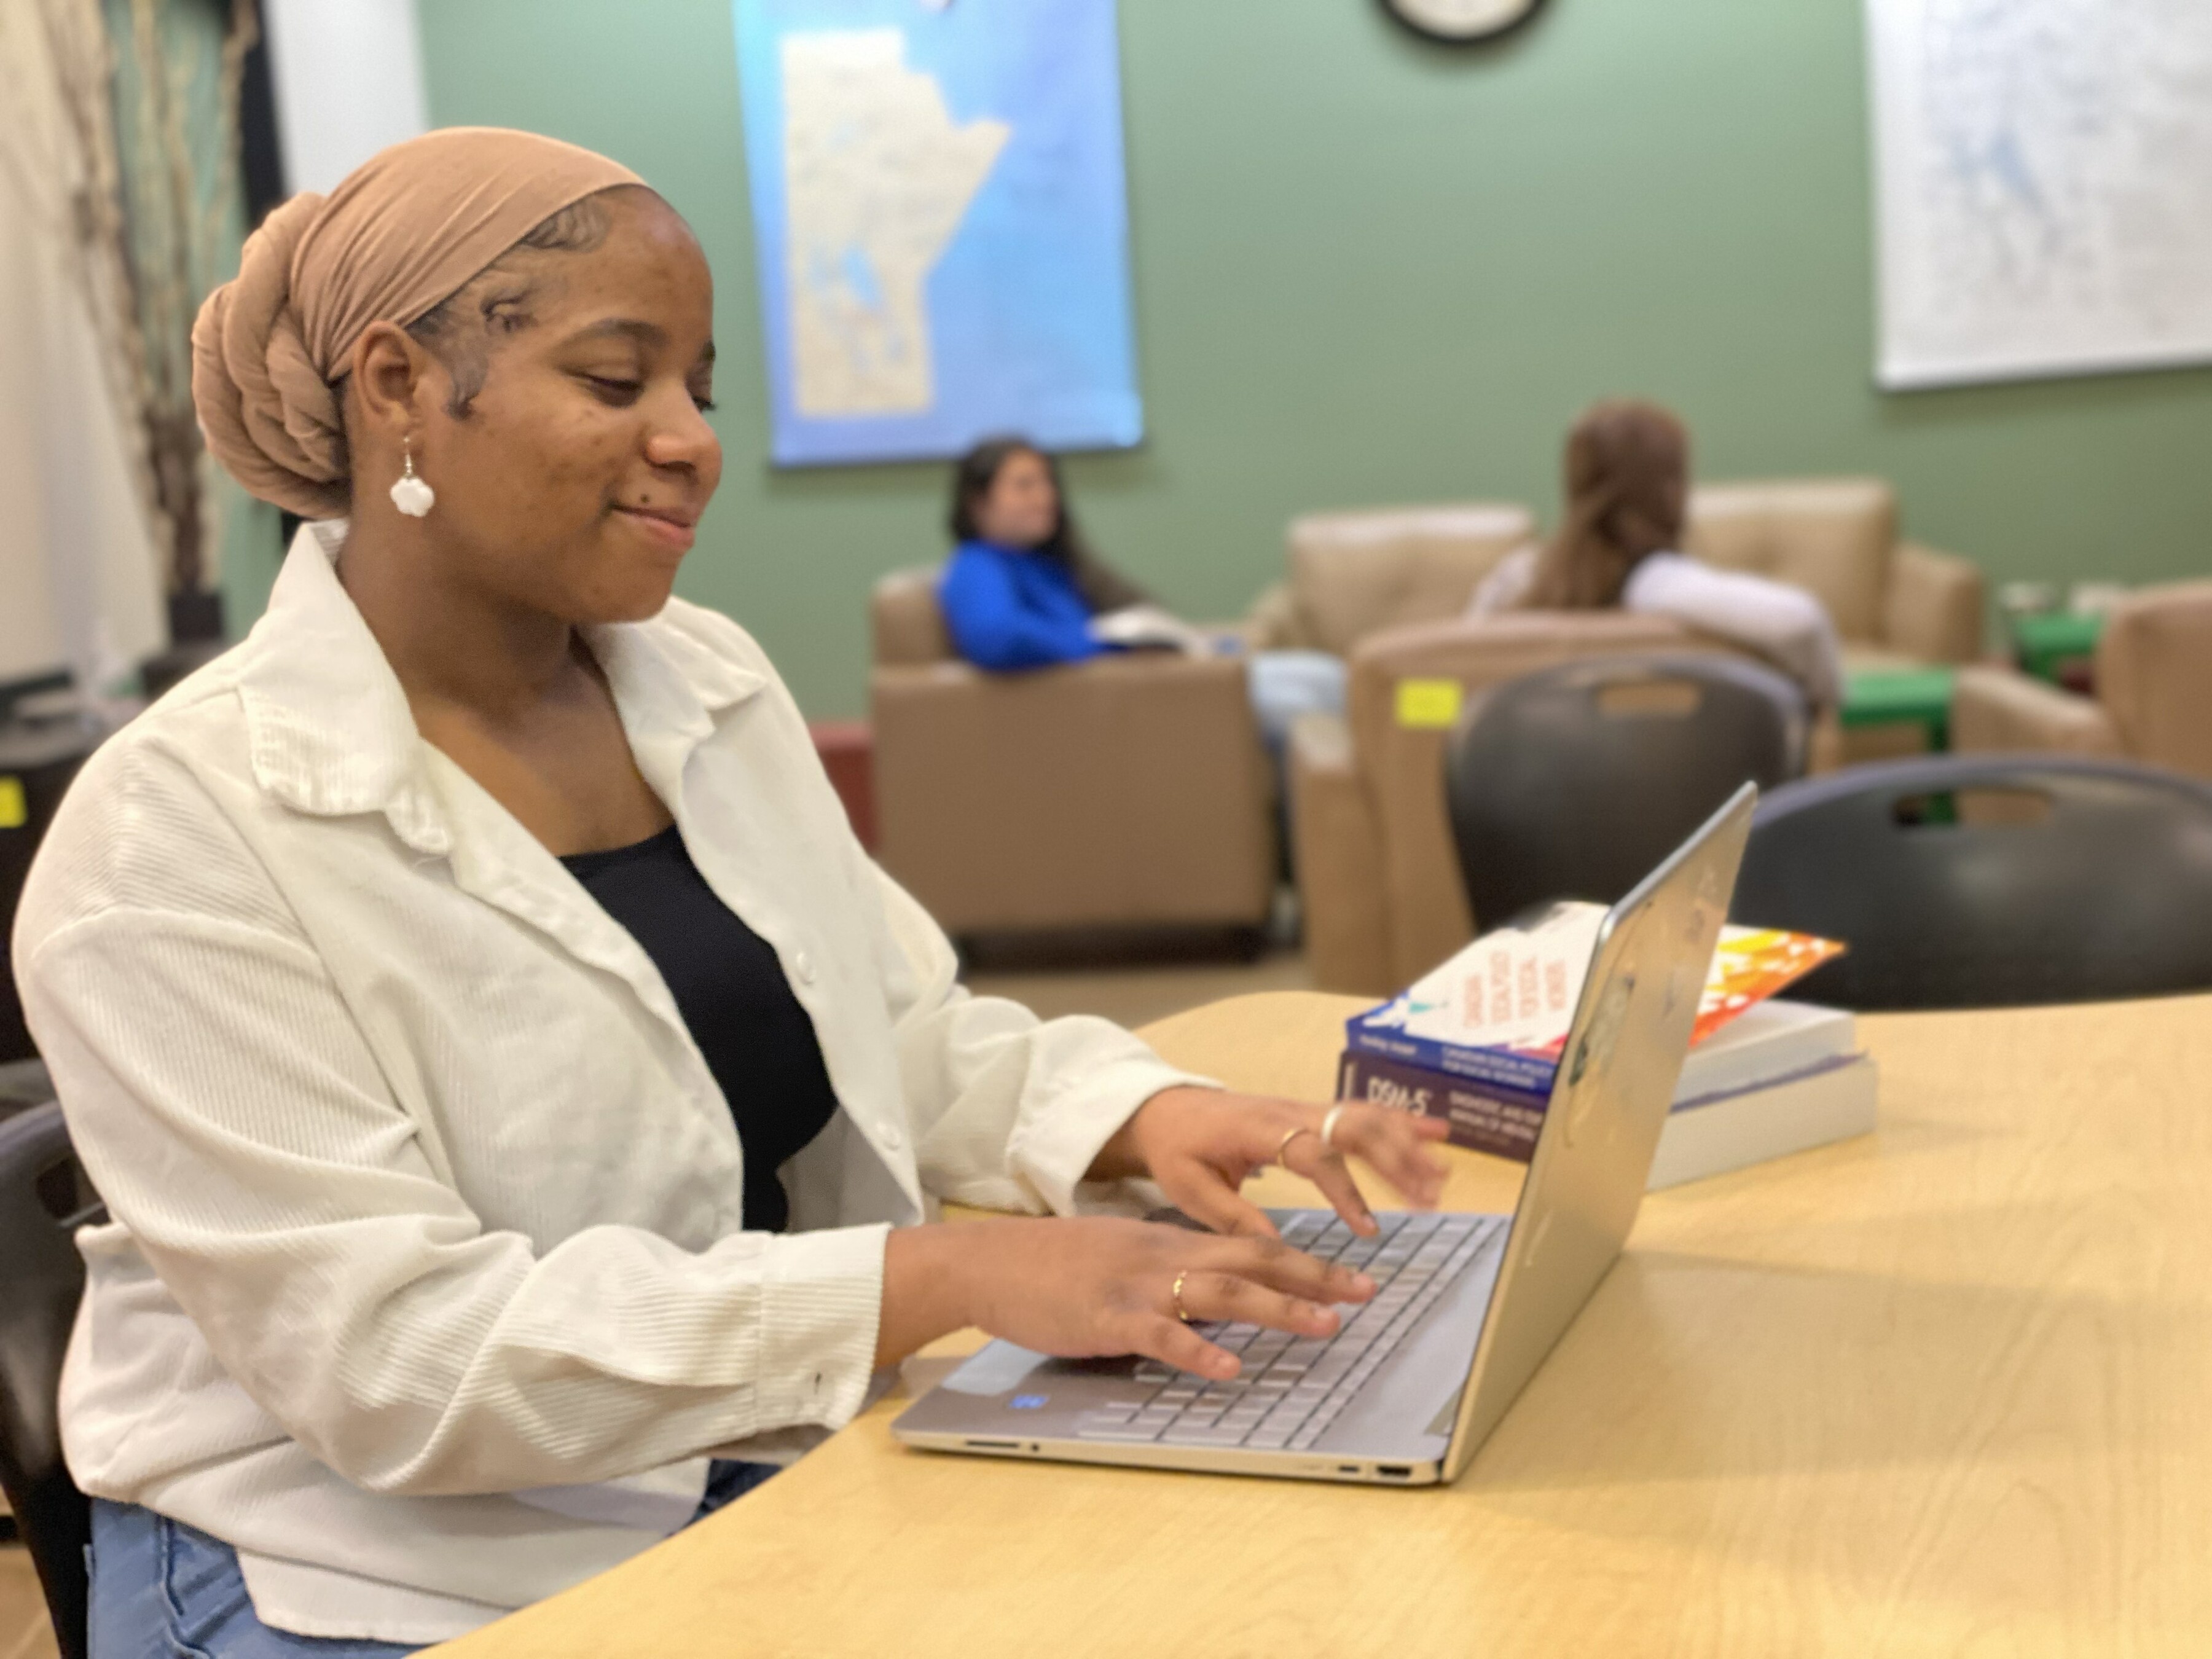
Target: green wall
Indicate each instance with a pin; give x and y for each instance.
(1372, 270)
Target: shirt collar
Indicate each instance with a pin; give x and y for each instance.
(329, 729)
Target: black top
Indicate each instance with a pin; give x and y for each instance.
(730, 989)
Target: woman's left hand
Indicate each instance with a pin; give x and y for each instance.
(1202, 1144)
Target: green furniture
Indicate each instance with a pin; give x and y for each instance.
(2060, 647)
(1887, 696)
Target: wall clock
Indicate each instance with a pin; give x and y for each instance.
(1462, 22)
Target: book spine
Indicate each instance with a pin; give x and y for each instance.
(1485, 1119)
(1522, 1074)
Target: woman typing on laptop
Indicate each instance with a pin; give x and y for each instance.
(511, 1084)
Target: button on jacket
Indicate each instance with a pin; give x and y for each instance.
(425, 1287)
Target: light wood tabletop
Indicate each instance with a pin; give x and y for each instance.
(1943, 1389)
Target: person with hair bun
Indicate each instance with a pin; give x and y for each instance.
(1628, 495)
(520, 1105)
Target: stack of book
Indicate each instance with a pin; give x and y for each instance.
(1474, 1044)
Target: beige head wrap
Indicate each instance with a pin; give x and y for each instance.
(407, 229)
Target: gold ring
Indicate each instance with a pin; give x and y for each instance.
(1284, 1145)
(1328, 1127)
(1177, 1294)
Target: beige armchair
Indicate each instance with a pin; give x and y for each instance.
(2154, 699)
(1892, 602)
(1377, 877)
(1353, 574)
(1123, 791)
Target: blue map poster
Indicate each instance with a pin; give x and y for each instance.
(941, 222)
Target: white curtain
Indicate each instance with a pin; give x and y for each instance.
(80, 570)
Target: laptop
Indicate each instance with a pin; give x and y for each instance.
(1466, 1307)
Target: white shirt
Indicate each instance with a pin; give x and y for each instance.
(425, 1287)
(1786, 625)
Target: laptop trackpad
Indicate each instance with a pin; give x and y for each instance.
(997, 1367)
(1407, 1409)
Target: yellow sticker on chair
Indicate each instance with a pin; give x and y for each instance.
(14, 810)
(1430, 705)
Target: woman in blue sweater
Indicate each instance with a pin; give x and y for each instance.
(1022, 591)
(1021, 588)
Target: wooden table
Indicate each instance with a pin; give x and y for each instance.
(1945, 1389)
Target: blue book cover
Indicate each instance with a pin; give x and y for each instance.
(1381, 1032)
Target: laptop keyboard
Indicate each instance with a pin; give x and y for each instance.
(1293, 1388)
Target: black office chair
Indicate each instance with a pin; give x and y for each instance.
(1990, 881)
(37, 761)
(1574, 782)
(23, 1084)
(43, 1198)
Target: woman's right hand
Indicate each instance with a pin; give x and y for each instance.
(1088, 1286)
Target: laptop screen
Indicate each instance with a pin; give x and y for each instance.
(1609, 1101)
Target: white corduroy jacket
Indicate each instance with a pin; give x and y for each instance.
(425, 1287)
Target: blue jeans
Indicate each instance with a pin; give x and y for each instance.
(1285, 684)
(162, 1589)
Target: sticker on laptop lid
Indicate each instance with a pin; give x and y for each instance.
(1430, 705)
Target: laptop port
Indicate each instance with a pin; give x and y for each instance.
(1395, 1471)
(996, 1445)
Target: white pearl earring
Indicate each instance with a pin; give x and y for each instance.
(410, 494)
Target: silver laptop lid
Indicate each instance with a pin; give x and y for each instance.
(1616, 1082)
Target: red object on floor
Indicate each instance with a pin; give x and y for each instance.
(848, 749)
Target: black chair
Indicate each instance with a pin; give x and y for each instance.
(43, 1198)
(37, 761)
(23, 1084)
(1574, 782)
(1991, 881)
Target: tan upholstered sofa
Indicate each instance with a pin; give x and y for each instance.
(2154, 699)
(1126, 791)
(1377, 876)
(1353, 574)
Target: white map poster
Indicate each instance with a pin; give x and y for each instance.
(2042, 180)
(941, 223)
